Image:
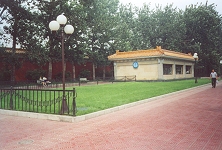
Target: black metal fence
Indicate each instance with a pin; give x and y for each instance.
(58, 84)
(30, 96)
(33, 85)
(48, 101)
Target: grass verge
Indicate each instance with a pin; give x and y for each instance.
(95, 98)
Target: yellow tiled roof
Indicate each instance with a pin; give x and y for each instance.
(158, 52)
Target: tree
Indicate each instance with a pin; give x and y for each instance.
(101, 23)
(125, 35)
(160, 27)
(204, 26)
(16, 15)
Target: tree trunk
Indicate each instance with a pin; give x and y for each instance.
(50, 70)
(14, 51)
(73, 71)
(94, 72)
(104, 72)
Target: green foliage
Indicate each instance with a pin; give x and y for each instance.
(84, 73)
(204, 26)
(59, 76)
(34, 75)
(103, 26)
(162, 27)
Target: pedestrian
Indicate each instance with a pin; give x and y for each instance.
(213, 76)
(44, 81)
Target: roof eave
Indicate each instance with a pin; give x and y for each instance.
(129, 58)
(180, 58)
(163, 56)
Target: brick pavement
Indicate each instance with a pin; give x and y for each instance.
(186, 120)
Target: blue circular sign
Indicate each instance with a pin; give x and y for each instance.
(135, 64)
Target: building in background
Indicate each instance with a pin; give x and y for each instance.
(27, 71)
(152, 64)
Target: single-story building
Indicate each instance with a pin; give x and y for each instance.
(152, 64)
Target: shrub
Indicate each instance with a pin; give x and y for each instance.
(84, 73)
(34, 74)
(58, 76)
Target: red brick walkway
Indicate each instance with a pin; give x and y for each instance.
(188, 120)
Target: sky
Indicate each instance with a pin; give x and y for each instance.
(181, 4)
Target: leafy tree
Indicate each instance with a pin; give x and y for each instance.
(101, 23)
(204, 26)
(125, 37)
(76, 47)
(160, 27)
(16, 15)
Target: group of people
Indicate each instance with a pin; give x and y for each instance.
(213, 76)
(44, 81)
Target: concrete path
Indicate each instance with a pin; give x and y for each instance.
(186, 120)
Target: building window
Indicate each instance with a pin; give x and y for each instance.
(167, 69)
(179, 69)
(188, 69)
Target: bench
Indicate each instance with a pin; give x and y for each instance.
(83, 80)
(40, 82)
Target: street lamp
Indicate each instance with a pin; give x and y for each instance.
(195, 56)
(68, 29)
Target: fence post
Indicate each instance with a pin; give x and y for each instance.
(11, 100)
(74, 101)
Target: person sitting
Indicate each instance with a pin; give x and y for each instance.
(44, 80)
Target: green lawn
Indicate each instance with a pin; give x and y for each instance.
(98, 97)
(93, 98)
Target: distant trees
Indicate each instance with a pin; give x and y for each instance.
(204, 27)
(103, 26)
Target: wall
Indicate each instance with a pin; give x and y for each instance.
(147, 69)
(20, 73)
(151, 69)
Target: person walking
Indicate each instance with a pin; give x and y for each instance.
(213, 76)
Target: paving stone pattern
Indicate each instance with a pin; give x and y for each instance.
(188, 120)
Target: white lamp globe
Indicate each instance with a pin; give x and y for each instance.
(68, 29)
(195, 55)
(54, 25)
(61, 19)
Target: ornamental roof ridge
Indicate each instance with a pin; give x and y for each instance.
(158, 52)
(164, 50)
(135, 51)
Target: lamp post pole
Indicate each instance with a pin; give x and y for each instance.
(68, 29)
(63, 75)
(195, 56)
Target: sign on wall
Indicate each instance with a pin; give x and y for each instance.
(135, 64)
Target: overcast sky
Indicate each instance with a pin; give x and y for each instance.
(181, 4)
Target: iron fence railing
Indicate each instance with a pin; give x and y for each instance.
(58, 84)
(34, 85)
(48, 101)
